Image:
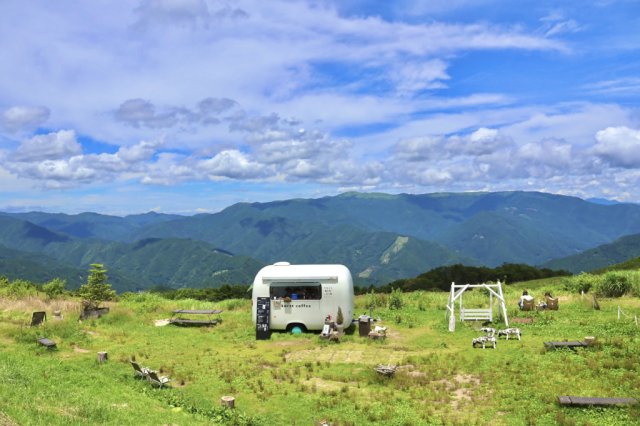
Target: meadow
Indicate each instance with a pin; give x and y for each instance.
(303, 380)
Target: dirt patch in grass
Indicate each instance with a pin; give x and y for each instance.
(80, 350)
(524, 320)
(288, 343)
(161, 322)
(5, 420)
(327, 385)
(460, 388)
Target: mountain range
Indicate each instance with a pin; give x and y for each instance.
(380, 237)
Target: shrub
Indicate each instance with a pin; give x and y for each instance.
(143, 301)
(583, 282)
(395, 299)
(16, 289)
(340, 316)
(54, 288)
(613, 284)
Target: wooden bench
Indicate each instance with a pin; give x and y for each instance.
(47, 342)
(570, 345)
(476, 315)
(579, 401)
(195, 322)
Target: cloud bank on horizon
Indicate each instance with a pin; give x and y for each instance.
(191, 105)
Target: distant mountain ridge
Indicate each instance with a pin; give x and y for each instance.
(619, 251)
(489, 228)
(93, 225)
(380, 237)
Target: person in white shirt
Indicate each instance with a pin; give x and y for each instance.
(525, 296)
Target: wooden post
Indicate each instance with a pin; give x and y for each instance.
(102, 357)
(228, 401)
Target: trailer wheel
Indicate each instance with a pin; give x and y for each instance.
(296, 328)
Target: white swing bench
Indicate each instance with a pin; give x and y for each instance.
(476, 314)
(467, 314)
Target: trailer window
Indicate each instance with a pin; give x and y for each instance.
(296, 291)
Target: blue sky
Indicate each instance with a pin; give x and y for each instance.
(188, 106)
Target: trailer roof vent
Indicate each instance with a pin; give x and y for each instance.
(281, 264)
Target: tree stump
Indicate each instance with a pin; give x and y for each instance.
(102, 357)
(228, 401)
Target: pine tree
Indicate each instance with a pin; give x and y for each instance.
(97, 289)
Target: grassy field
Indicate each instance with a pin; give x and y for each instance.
(302, 380)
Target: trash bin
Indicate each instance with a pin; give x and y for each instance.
(364, 325)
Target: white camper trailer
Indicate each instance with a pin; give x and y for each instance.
(304, 295)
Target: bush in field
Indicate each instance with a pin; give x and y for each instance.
(375, 300)
(395, 299)
(635, 284)
(583, 282)
(54, 288)
(143, 301)
(16, 289)
(613, 284)
(97, 289)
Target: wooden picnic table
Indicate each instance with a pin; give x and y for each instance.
(190, 321)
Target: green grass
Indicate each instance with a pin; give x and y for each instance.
(299, 379)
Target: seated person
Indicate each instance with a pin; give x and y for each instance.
(525, 296)
(547, 296)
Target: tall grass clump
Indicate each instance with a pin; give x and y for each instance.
(613, 284)
(375, 300)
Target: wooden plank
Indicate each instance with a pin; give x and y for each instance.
(198, 311)
(181, 321)
(595, 401)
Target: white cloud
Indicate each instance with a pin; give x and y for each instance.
(51, 146)
(233, 164)
(24, 118)
(141, 113)
(418, 76)
(419, 149)
(140, 152)
(626, 86)
(172, 12)
(619, 146)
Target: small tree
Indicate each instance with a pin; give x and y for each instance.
(54, 288)
(339, 317)
(97, 289)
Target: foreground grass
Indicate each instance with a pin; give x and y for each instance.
(302, 380)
